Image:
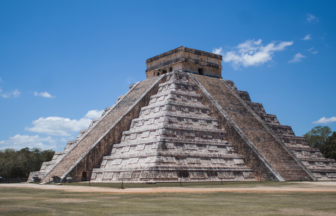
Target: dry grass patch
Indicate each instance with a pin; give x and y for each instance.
(69, 200)
(57, 202)
(300, 211)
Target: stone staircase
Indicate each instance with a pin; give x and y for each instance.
(174, 138)
(58, 156)
(258, 128)
(94, 142)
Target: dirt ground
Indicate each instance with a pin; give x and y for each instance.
(296, 187)
(196, 199)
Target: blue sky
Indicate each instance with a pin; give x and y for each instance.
(63, 62)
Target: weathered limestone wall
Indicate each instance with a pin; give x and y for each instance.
(274, 152)
(185, 59)
(174, 138)
(86, 155)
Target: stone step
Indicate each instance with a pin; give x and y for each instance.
(175, 168)
(177, 82)
(169, 114)
(172, 175)
(203, 126)
(329, 160)
(174, 141)
(174, 92)
(176, 104)
(306, 148)
(173, 154)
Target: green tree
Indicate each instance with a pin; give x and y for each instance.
(329, 150)
(318, 136)
(18, 164)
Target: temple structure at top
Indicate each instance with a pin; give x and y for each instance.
(183, 59)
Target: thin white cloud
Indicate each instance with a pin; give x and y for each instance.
(92, 114)
(15, 93)
(311, 18)
(59, 126)
(325, 120)
(0, 80)
(22, 141)
(312, 50)
(252, 53)
(307, 37)
(217, 51)
(43, 94)
(297, 58)
(129, 80)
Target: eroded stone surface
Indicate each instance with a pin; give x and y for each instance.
(186, 60)
(174, 138)
(267, 144)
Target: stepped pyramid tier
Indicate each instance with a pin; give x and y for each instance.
(173, 138)
(186, 123)
(322, 168)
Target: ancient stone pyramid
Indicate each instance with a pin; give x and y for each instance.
(186, 123)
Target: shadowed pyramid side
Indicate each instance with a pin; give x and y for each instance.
(282, 161)
(322, 168)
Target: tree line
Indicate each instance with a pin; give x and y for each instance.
(18, 164)
(323, 139)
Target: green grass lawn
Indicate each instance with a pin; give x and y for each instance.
(20, 201)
